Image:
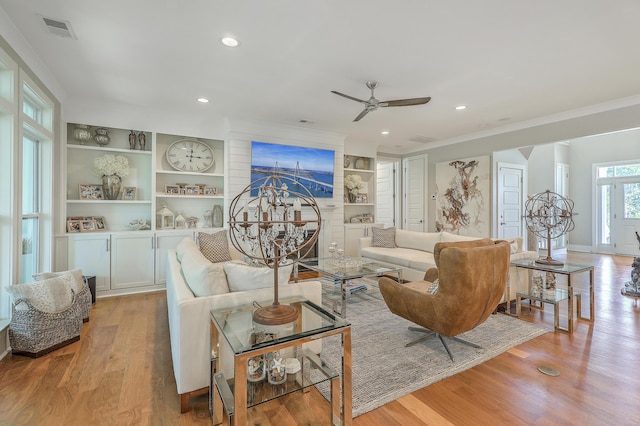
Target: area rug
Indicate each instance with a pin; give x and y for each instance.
(384, 369)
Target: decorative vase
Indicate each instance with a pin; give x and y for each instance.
(102, 136)
(217, 216)
(132, 140)
(142, 140)
(111, 186)
(352, 197)
(81, 133)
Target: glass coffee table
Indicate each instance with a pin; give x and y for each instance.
(344, 273)
(268, 346)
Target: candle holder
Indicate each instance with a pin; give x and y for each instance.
(273, 231)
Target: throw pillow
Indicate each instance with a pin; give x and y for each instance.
(187, 243)
(215, 247)
(50, 295)
(242, 277)
(384, 237)
(433, 288)
(73, 278)
(203, 277)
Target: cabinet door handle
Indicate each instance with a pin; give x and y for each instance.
(107, 240)
(153, 246)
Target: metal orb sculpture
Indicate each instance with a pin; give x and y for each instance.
(266, 225)
(549, 215)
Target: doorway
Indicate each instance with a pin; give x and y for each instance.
(618, 208)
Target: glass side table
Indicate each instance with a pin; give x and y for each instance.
(254, 343)
(568, 294)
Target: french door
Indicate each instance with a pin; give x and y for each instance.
(618, 226)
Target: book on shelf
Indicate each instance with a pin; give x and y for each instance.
(352, 286)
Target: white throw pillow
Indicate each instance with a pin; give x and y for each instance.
(184, 245)
(242, 277)
(73, 278)
(424, 241)
(203, 277)
(50, 295)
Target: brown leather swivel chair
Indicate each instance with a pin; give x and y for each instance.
(472, 278)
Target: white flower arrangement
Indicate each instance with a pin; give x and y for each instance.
(354, 183)
(111, 165)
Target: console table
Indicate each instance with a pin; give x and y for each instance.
(569, 270)
(234, 396)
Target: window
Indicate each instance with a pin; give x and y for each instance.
(30, 207)
(631, 194)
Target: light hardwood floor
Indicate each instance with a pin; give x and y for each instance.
(120, 373)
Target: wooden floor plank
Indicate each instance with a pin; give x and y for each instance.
(120, 372)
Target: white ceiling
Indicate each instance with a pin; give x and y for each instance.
(509, 61)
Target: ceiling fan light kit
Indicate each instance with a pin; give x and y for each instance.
(373, 104)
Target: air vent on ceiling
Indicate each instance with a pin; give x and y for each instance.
(59, 28)
(422, 139)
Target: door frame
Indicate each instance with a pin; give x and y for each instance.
(425, 186)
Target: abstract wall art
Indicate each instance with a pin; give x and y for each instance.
(463, 197)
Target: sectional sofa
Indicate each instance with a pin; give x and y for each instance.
(414, 254)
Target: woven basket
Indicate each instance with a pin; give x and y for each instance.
(34, 333)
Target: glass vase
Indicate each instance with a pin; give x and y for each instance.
(217, 216)
(111, 187)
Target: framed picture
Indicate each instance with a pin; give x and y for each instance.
(129, 192)
(192, 190)
(73, 226)
(356, 219)
(88, 191)
(88, 225)
(367, 219)
(210, 190)
(172, 189)
(101, 224)
(362, 198)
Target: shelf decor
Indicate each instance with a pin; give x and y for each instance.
(354, 184)
(112, 169)
(272, 232)
(81, 133)
(165, 219)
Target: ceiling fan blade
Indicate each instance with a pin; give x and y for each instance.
(362, 114)
(349, 97)
(405, 102)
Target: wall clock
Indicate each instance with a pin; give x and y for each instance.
(189, 155)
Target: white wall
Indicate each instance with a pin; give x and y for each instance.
(238, 150)
(542, 168)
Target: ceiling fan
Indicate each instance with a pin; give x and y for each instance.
(373, 104)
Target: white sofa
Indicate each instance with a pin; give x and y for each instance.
(189, 325)
(414, 254)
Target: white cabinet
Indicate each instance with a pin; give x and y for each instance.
(121, 262)
(132, 260)
(164, 242)
(352, 235)
(92, 253)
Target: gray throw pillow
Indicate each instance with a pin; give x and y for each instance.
(384, 237)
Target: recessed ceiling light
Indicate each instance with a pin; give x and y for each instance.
(461, 107)
(230, 42)
(385, 132)
(203, 100)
